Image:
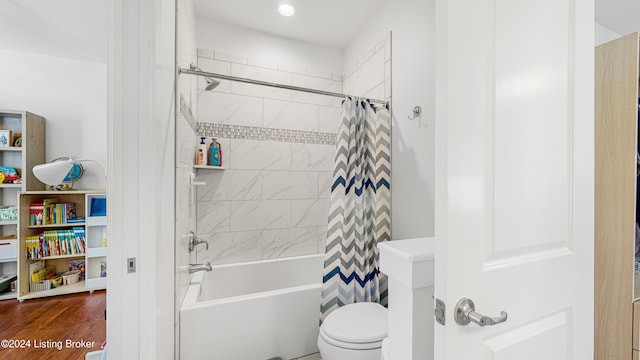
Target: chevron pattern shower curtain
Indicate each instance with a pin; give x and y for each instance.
(360, 210)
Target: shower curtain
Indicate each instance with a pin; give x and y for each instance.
(360, 207)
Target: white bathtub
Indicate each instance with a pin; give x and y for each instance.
(253, 310)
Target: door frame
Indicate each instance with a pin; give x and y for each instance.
(141, 163)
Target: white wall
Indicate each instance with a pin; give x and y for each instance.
(71, 95)
(257, 45)
(604, 34)
(412, 166)
(185, 215)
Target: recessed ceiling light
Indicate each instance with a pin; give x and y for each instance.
(286, 10)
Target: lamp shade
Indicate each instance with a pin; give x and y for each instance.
(53, 173)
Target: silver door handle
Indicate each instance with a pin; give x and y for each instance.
(465, 313)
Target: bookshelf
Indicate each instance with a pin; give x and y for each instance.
(617, 282)
(30, 128)
(88, 230)
(96, 230)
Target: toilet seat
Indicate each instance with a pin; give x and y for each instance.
(349, 345)
(359, 326)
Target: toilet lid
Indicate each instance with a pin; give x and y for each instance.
(358, 323)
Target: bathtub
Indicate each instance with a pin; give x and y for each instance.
(253, 310)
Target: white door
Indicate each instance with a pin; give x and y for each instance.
(514, 177)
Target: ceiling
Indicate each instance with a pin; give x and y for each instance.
(621, 16)
(67, 28)
(332, 23)
(78, 28)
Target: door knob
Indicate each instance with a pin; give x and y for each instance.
(465, 313)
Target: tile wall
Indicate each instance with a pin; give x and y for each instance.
(272, 199)
(371, 75)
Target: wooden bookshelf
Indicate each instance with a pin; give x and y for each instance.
(82, 200)
(31, 129)
(616, 285)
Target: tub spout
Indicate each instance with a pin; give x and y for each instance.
(200, 267)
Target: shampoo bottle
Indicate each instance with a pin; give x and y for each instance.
(201, 156)
(215, 153)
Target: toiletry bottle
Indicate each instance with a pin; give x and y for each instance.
(201, 158)
(215, 153)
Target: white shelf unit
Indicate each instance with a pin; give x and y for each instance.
(82, 199)
(96, 227)
(62, 290)
(208, 167)
(31, 129)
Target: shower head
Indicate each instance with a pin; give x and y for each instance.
(211, 82)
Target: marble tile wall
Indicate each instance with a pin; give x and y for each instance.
(272, 199)
(371, 76)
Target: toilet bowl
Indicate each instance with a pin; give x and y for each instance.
(353, 332)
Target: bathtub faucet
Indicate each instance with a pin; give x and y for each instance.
(194, 241)
(199, 267)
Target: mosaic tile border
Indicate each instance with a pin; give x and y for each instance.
(186, 112)
(265, 134)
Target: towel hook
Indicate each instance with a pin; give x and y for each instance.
(417, 112)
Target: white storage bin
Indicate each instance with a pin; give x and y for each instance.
(71, 277)
(8, 249)
(40, 285)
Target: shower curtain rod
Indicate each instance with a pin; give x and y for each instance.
(265, 83)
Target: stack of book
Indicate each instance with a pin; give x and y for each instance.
(51, 212)
(56, 243)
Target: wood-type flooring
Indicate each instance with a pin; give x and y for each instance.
(60, 327)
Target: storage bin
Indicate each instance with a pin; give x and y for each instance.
(9, 213)
(6, 280)
(8, 249)
(40, 285)
(98, 206)
(71, 277)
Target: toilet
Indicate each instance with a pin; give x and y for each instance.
(354, 332)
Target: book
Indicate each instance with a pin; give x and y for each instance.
(103, 268)
(36, 213)
(48, 211)
(56, 243)
(69, 212)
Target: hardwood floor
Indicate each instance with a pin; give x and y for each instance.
(46, 324)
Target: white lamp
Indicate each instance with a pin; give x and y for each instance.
(53, 173)
(60, 173)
